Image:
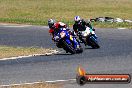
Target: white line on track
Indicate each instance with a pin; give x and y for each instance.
(19, 84)
(55, 81)
(46, 54)
(44, 27)
(16, 26)
(20, 25)
(13, 25)
(121, 28)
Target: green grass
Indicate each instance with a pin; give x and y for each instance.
(7, 51)
(39, 11)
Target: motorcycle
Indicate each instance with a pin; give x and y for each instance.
(89, 37)
(68, 42)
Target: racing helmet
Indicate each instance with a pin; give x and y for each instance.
(77, 18)
(51, 23)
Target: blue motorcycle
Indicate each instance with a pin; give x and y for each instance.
(67, 41)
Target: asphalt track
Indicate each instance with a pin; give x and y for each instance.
(114, 56)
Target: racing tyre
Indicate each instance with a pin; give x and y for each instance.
(80, 50)
(92, 42)
(68, 48)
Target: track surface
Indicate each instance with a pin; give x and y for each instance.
(114, 56)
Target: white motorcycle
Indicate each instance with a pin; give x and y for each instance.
(89, 37)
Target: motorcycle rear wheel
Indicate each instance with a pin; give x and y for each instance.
(94, 44)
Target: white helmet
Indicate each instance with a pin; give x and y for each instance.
(77, 18)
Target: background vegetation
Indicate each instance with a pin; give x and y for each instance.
(39, 11)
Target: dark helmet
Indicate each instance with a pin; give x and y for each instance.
(51, 23)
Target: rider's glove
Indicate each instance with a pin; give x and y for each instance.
(56, 38)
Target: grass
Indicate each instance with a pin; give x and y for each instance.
(112, 25)
(39, 11)
(6, 51)
(36, 85)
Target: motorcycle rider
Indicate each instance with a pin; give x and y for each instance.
(81, 25)
(55, 27)
(51, 23)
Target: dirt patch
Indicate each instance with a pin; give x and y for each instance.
(36, 85)
(8, 52)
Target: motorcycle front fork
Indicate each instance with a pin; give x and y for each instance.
(83, 41)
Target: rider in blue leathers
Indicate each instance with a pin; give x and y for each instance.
(55, 27)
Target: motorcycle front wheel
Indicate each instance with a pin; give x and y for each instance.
(92, 42)
(68, 48)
